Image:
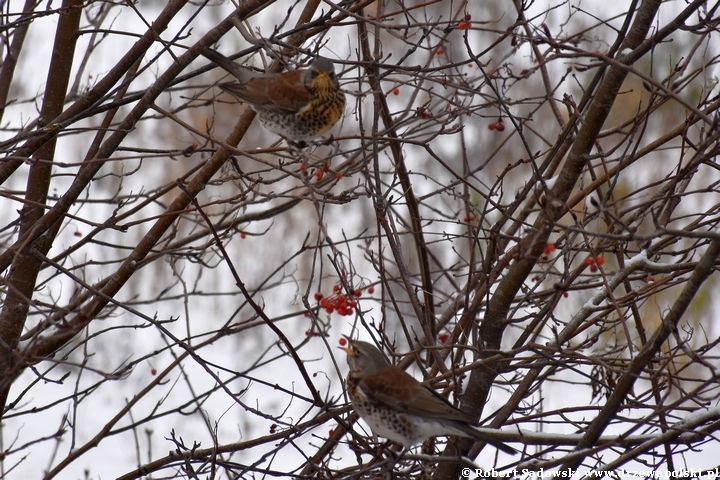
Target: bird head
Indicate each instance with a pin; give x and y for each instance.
(364, 358)
(321, 75)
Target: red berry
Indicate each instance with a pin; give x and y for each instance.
(336, 288)
(549, 248)
(242, 235)
(589, 261)
(343, 342)
(357, 292)
(566, 294)
(600, 260)
(443, 337)
(371, 289)
(396, 91)
(153, 372)
(318, 296)
(319, 174)
(593, 268)
(303, 167)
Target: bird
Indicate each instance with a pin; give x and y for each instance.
(299, 105)
(398, 407)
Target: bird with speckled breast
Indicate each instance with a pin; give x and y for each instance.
(299, 105)
(398, 407)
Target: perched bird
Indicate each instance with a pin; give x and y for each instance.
(299, 105)
(398, 407)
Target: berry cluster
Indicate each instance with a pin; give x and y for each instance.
(549, 248)
(499, 125)
(594, 262)
(339, 302)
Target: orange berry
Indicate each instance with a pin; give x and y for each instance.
(439, 51)
(600, 260)
(589, 261)
(319, 174)
(396, 91)
(338, 176)
(549, 248)
(492, 126)
(303, 167)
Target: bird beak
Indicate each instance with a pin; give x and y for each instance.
(348, 350)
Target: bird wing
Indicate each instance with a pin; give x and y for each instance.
(398, 389)
(283, 93)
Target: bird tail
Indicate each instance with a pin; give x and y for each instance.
(472, 432)
(242, 74)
